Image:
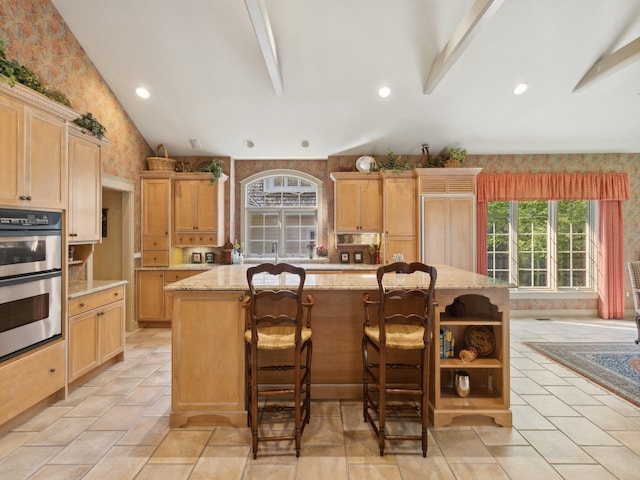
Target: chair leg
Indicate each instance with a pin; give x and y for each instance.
(382, 399)
(254, 401)
(365, 378)
(638, 326)
(297, 399)
(424, 398)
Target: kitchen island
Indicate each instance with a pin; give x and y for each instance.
(208, 343)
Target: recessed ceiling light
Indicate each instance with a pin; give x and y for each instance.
(248, 143)
(304, 144)
(520, 89)
(142, 92)
(384, 92)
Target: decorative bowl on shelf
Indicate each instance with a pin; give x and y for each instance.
(481, 338)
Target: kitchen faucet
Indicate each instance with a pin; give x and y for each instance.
(274, 249)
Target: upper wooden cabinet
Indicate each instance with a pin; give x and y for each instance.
(400, 216)
(85, 187)
(358, 202)
(156, 219)
(198, 210)
(33, 150)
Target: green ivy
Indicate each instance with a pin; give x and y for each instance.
(16, 73)
(88, 122)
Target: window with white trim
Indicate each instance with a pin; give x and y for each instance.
(542, 245)
(280, 212)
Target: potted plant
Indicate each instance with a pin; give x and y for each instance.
(215, 169)
(455, 157)
(393, 163)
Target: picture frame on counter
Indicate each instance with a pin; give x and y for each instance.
(208, 257)
(344, 257)
(196, 257)
(358, 257)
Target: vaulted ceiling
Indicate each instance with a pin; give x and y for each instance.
(279, 73)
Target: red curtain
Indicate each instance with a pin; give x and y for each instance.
(610, 189)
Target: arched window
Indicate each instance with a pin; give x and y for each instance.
(280, 213)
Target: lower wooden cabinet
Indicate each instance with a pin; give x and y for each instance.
(208, 359)
(30, 379)
(96, 329)
(153, 304)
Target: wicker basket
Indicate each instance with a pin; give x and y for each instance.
(161, 163)
(451, 164)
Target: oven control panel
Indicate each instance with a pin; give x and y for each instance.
(29, 219)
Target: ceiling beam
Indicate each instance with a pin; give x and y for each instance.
(611, 63)
(262, 27)
(479, 13)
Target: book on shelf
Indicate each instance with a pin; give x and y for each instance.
(447, 343)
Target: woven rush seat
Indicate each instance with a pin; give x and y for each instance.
(404, 337)
(278, 338)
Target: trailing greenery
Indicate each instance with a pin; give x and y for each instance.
(89, 122)
(16, 73)
(214, 168)
(393, 163)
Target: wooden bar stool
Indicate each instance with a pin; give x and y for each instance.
(404, 322)
(275, 322)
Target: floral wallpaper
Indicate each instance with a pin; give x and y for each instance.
(36, 36)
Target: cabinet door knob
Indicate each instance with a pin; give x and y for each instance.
(115, 294)
(52, 369)
(82, 304)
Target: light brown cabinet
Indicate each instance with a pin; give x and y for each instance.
(400, 216)
(156, 219)
(208, 334)
(85, 187)
(358, 202)
(150, 295)
(448, 216)
(96, 329)
(31, 378)
(33, 152)
(198, 217)
(155, 306)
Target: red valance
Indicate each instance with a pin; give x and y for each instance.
(494, 187)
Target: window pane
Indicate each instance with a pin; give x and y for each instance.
(572, 242)
(533, 235)
(263, 231)
(498, 214)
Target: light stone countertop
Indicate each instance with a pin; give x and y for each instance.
(309, 266)
(77, 288)
(233, 278)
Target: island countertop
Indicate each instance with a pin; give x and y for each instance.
(234, 278)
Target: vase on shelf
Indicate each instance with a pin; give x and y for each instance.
(461, 383)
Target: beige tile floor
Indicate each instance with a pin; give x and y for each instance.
(116, 427)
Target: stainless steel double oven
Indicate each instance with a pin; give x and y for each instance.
(30, 279)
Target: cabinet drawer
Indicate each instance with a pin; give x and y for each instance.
(153, 258)
(155, 243)
(199, 239)
(95, 300)
(171, 276)
(32, 378)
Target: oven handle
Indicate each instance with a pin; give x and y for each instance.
(5, 282)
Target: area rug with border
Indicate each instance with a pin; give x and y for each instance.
(614, 366)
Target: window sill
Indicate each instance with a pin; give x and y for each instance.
(522, 294)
